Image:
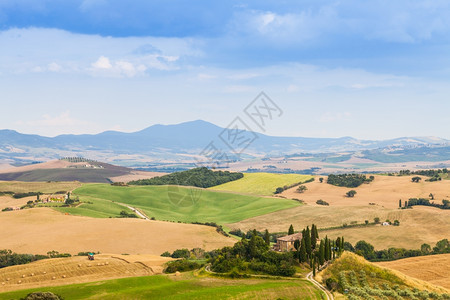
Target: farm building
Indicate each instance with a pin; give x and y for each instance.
(286, 243)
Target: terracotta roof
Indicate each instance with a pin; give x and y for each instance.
(291, 238)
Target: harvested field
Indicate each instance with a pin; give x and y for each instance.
(384, 191)
(6, 201)
(136, 175)
(78, 269)
(434, 268)
(428, 224)
(43, 187)
(40, 230)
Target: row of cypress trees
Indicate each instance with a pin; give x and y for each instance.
(316, 255)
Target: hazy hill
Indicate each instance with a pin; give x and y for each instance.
(192, 136)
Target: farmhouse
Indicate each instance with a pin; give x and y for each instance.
(286, 243)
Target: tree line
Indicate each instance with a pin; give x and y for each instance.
(368, 251)
(426, 202)
(9, 258)
(198, 177)
(349, 180)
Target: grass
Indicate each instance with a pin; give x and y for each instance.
(261, 183)
(95, 209)
(43, 187)
(188, 287)
(175, 203)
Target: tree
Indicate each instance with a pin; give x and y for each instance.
(431, 196)
(365, 249)
(400, 203)
(425, 248)
(351, 193)
(291, 230)
(267, 237)
(321, 179)
(313, 237)
(396, 223)
(279, 190)
(307, 237)
(416, 179)
(376, 220)
(314, 266)
(321, 253)
(37, 197)
(297, 244)
(301, 189)
(302, 257)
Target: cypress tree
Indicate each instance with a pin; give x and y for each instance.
(400, 203)
(329, 249)
(307, 238)
(302, 252)
(297, 244)
(334, 250)
(342, 244)
(317, 232)
(326, 248)
(314, 266)
(321, 253)
(338, 244)
(313, 237)
(267, 237)
(291, 230)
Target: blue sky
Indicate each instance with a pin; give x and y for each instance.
(377, 69)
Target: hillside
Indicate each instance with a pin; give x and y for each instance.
(62, 170)
(434, 268)
(179, 203)
(78, 269)
(379, 199)
(364, 280)
(73, 234)
(181, 287)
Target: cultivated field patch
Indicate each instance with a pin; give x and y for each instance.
(261, 183)
(40, 230)
(434, 268)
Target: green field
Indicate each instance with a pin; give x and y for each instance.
(187, 287)
(175, 203)
(261, 183)
(43, 187)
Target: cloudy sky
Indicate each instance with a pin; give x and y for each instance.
(377, 69)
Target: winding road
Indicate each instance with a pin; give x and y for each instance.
(135, 210)
(310, 278)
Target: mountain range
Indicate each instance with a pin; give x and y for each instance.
(186, 139)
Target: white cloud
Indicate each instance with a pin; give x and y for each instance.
(54, 67)
(102, 63)
(105, 56)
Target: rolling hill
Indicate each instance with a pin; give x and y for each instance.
(64, 170)
(174, 203)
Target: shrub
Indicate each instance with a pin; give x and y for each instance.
(166, 254)
(321, 202)
(182, 265)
